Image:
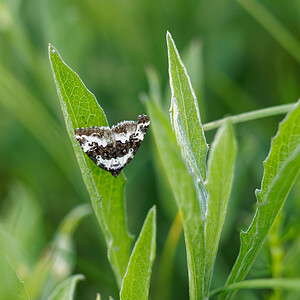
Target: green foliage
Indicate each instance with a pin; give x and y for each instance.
(183, 158)
(219, 180)
(273, 26)
(225, 47)
(11, 285)
(281, 169)
(185, 115)
(185, 118)
(271, 283)
(81, 109)
(65, 290)
(62, 252)
(185, 195)
(41, 267)
(30, 112)
(164, 277)
(136, 282)
(220, 176)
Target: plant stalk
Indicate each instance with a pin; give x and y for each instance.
(271, 283)
(250, 116)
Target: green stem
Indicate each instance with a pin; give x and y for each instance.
(273, 26)
(268, 283)
(252, 115)
(276, 254)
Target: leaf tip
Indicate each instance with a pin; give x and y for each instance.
(51, 50)
(79, 276)
(153, 210)
(169, 39)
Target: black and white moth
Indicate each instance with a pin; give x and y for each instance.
(113, 148)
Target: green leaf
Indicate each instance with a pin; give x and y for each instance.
(280, 171)
(185, 195)
(185, 115)
(66, 289)
(219, 181)
(81, 109)
(154, 84)
(11, 287)
(135, 284)
(165, 265)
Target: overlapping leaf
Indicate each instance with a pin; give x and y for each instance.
(185, 117)
(219, 180)
(181, 182)
(280, 171)
(80, 109)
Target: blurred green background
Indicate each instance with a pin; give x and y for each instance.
(238, 60)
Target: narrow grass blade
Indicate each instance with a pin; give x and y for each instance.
(66, 290)
(80, 109)
(154, 84)
(185, 114)
(219, 180)
(185, 195)
(136, 282)
(163, 288)
(273, 26)
(280, 171)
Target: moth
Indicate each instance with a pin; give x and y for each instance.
(113, 148)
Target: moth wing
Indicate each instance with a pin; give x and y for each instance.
(93, 140)
(130, 130)
(112, 149)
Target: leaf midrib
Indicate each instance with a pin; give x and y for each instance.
(180, 85)
(70, 106)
